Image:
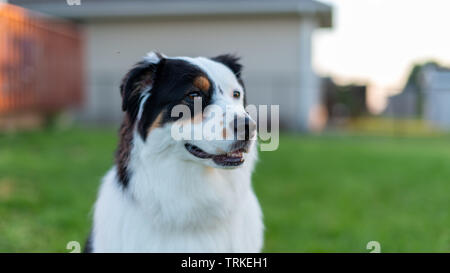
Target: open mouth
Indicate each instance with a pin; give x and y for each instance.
(233, 158)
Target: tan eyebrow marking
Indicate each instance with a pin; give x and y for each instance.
(202, 83)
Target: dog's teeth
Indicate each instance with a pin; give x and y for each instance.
(234, 154)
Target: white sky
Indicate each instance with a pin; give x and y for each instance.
(377, 41)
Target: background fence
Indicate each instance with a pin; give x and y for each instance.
(40, 63)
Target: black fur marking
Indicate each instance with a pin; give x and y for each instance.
(140, 77)
(174, 79)
(170, 81)
(231, 61)
(136, 81)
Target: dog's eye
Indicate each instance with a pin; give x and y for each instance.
(194, 95)
(236, 94)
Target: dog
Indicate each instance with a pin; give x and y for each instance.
(169, 195)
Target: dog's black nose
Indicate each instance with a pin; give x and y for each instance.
(244, 128)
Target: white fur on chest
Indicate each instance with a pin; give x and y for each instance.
(172, 205)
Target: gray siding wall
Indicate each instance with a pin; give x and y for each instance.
(269, 48)
(437, 98)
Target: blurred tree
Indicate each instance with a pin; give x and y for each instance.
(343, 101)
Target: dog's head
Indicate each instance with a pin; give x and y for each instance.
(215, 131)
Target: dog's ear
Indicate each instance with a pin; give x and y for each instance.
(138, 80)
(231, 61)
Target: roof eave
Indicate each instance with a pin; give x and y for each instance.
(88, 11)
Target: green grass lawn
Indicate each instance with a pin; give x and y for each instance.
(319, 194)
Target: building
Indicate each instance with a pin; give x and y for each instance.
(436, 89)
(274, 39)
(426, 95)
(404, 105)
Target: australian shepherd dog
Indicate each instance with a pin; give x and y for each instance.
(188, 194)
